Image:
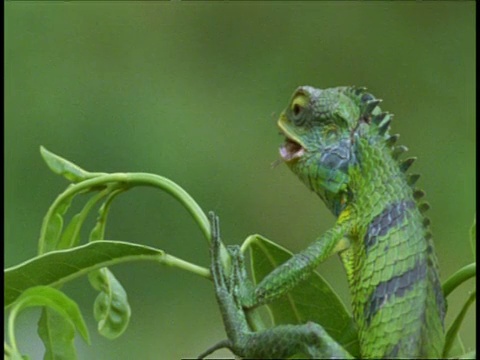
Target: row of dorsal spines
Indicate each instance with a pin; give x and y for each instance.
(381, 125)
(411, 179)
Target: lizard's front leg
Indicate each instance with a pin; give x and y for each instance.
(282, 341)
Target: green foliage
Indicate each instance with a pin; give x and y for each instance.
(453, 343)
(64, 167)
(452, 333)
(57, 334)
(58, 267)
(62, 258)
(57, 331)
(293, 309)
(111, 308)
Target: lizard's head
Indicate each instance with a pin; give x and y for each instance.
(318, 126)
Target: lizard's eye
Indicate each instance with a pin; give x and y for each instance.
(297, 109)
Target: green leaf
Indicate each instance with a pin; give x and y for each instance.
(64, 167)
(312, 300)
(53, 229)
(53, 224)
(111, 308)
(57, 267)
(473, 236)
(13, 354)
(455, 327)
(56, 300)
(57, 334)
(71, 235)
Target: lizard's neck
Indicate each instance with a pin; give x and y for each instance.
(376, 179)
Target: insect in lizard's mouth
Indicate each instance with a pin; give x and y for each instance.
(291, 149)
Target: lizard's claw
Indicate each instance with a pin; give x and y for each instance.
(218, 275)
(227, 288)
(235, 281)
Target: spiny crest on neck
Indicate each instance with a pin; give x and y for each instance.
(379, 125)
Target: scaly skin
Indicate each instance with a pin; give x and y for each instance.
(337, 143)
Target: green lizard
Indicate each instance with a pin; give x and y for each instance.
(337, 143)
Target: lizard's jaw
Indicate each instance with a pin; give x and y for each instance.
(291, 149)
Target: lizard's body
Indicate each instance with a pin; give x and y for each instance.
(391, 266)
(337, 142)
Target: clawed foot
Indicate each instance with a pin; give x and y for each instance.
(228, 288)
(236, 283)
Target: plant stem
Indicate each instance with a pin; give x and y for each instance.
(171, 260)
(132, 179)
(459, 277)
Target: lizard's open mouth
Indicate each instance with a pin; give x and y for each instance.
(291, 150)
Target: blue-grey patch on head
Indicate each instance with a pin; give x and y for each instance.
(390, 217)
(397, 286)
(329, 166)
(337, 156)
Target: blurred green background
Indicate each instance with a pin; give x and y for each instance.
(191, 91)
